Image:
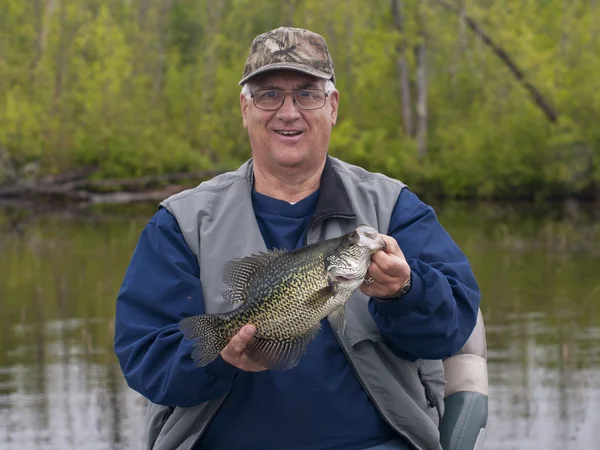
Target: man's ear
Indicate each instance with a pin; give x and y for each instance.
(334, 100)
(244, 107)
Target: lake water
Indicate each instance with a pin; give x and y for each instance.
(61, 388)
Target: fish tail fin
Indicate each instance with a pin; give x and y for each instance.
(210, 336)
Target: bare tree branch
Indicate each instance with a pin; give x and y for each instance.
(537, 96)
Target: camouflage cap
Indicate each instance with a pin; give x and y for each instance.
(289, 48)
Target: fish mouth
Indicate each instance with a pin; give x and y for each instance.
(347, 276)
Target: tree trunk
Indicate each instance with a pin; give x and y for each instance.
(594, 21)
(60, 59)
(403, 69)
(348, 38)
(164, 11)
(290, 9)
(56, 132)
(214, 13)
(39, 46)
(422, 93)
(461, 42)
(536, 95)
(143, 8)
(564, 31)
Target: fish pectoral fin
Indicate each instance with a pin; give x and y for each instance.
(338, 315)
(239, 273)
(277, 354)
(332, 285)
(319, 297)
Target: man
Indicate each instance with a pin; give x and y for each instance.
(377, 385)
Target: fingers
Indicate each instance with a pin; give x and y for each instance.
(381, 275)
(391, 246)
(238, 343)
(233, 353)
(388, 265)
(388, 269)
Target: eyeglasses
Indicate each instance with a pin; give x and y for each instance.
(272, 99)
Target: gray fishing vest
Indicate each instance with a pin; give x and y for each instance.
(218, 223)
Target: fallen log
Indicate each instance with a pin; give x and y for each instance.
(135, 197)
(141, 183)
(74, 187)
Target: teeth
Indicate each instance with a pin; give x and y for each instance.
(288, 133)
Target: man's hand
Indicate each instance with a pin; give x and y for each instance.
(389, 271)
(234, 353)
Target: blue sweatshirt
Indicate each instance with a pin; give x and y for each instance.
(320, 403)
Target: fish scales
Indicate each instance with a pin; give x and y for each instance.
(285, 295)
(286, 292)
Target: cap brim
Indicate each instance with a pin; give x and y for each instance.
(288, 66)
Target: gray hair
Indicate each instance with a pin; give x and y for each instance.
(248, 87)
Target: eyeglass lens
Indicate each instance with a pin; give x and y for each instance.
(271, 99)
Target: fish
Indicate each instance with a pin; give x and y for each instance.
(285, 295)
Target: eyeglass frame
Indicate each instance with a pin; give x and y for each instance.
(293, 97)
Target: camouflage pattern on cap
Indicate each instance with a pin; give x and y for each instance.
(289, 48)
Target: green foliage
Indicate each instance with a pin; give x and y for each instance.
(144, 87)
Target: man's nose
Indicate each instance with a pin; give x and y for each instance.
(289, 110)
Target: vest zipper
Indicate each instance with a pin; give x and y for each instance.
(364, 387)
(429, 395)
(350, 363)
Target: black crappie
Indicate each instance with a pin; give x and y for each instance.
(285, 295)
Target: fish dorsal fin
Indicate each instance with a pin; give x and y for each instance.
(280, 354)
(239, 273)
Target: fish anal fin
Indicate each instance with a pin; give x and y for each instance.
(277, 354)
(239, 273)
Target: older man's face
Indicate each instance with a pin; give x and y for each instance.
(289, 137)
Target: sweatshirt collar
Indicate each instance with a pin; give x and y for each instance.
(333, 198)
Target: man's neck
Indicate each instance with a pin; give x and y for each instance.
(290, 186)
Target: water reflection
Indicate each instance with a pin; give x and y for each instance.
(60, 386)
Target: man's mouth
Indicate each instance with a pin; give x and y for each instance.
(288, 132)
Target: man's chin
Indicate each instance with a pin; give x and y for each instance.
(290, 158)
